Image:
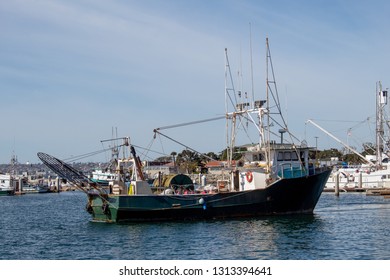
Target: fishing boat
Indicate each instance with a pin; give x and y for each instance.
(107, 176)
(103, 178)
(276, 177)
(6, 187)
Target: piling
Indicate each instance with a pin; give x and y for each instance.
(337, 188)
(58, 184)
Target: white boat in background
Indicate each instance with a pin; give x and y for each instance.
(10, 185)
(375, 172)
(27, 189)
(360, 177)
(6, 186)
(108, 175)
(103, 178)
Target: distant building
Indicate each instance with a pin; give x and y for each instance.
(152, 168)
(217, 167)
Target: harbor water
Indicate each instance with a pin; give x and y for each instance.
(56, 226)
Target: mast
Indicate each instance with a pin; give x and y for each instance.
(266, 137)
(114, 149)
(228, 98)
(381, 101)
(253, 88)
(227, 69)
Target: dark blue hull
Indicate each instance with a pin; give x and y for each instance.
(286, 196)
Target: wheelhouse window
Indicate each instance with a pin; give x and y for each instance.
(294, 156)
(287, 156)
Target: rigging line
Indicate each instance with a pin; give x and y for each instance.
(86, 155)
(277, 105)
(371, 130)
(281, 116)
(274, 82)
(159, 138)
(241, 124)
(149, 150)
(190, 123)
(360, 123)
(105, 154)
(291, 135)
(231, 80)
(357, 141)
(346, 121)
(187, 147)
(275, 96)
(277, 101)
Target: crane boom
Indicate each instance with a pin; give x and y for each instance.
(341, 142)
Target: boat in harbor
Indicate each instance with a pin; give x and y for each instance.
(32, 189)
(6, 186)
(374, 172)
(103, 178)
(276, 177)
(107, 176)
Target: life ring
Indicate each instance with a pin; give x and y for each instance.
(249, 176)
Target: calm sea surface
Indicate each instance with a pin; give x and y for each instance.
(56, 226)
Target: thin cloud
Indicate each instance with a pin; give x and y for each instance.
(74, 69)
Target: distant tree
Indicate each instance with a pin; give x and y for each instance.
(188, 161)
(164, 159)
(237, 153)
(328, 154)
(213, 155)
(352, 159)
(174, 154)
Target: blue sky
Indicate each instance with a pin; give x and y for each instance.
(72, 70)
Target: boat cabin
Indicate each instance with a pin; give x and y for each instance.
(286, 161)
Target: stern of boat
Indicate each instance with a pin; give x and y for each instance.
(103, 208)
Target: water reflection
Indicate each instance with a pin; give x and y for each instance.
(56, 226)
(268, 238)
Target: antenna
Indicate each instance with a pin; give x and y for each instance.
(250, 43)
